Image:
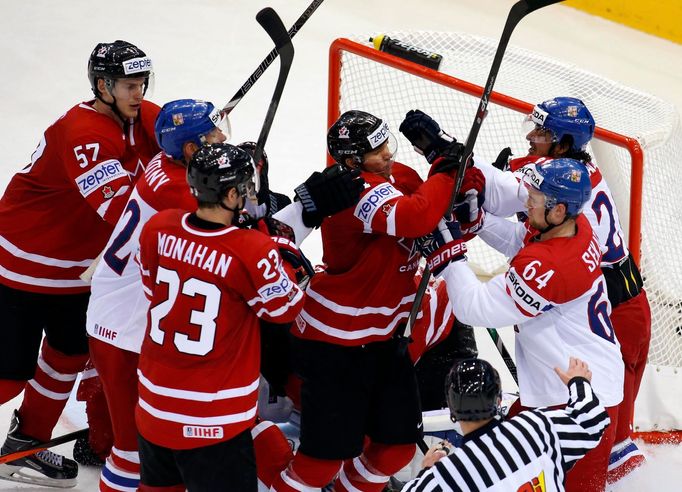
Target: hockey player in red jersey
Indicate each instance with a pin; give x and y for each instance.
(116, 317)
(351, 365)
(208, 283)
(562, 127)
(55, 217)
(554, 293)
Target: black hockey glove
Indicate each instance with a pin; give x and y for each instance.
(425, 134)
(448, 159)
(276, 202)
(442, 246)
(502, 161)
(328, 192)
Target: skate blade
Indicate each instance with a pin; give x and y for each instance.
(23, 474)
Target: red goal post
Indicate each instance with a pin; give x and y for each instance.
(361, 77)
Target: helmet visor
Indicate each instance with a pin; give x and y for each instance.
(536, 133)
(222, 131)
(130, 88)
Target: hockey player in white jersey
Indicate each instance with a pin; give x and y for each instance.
(562, 127)
(531, 452)
(554, 293)
(117, 311)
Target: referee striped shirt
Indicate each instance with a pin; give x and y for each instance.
(530, 452)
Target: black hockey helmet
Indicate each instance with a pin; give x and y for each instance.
(473, 390)
(354, 134)
(216, 168)
(117, 60)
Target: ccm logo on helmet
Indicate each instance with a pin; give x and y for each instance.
(101, 174)
(373, 200)
(378, 136)
(137, 65)
(524, 296)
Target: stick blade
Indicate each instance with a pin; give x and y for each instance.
(272, 23)
(525, 7)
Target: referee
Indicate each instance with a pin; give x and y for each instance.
(531, 452)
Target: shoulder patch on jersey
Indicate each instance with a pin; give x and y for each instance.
(281, 287)
(373, 201)
(101, 174)
(524, 296)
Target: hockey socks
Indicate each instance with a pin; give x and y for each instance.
(625, 457)
(101, 436)
(273, 451)
(46, 394)
(306, 474)
(371, 471)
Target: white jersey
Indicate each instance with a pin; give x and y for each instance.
(555, 294)
(501, 199)
(117, 312)
(532, 451)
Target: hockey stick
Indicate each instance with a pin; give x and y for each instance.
(270, 58)
(5, 458)
(272, 24)
(518, 11)
(504, 353)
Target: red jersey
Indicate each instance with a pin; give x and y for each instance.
(368, 287)
(58, 212)
(200, 358)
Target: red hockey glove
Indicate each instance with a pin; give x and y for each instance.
(468, 209)
(284, 237)
(442, 246)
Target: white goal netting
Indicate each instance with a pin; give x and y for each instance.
(527, 78)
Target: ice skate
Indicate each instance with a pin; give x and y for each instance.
(43, 468)
(85, 455)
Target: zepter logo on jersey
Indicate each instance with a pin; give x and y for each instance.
(373, 201)
(137, 65)
(378, 136)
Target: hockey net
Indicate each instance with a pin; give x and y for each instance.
(637, 145)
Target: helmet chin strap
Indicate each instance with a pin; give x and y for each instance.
(236, 210)
(112, 105)
(552, 226)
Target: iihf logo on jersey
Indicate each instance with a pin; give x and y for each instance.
(178, 119)
(343, 132)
